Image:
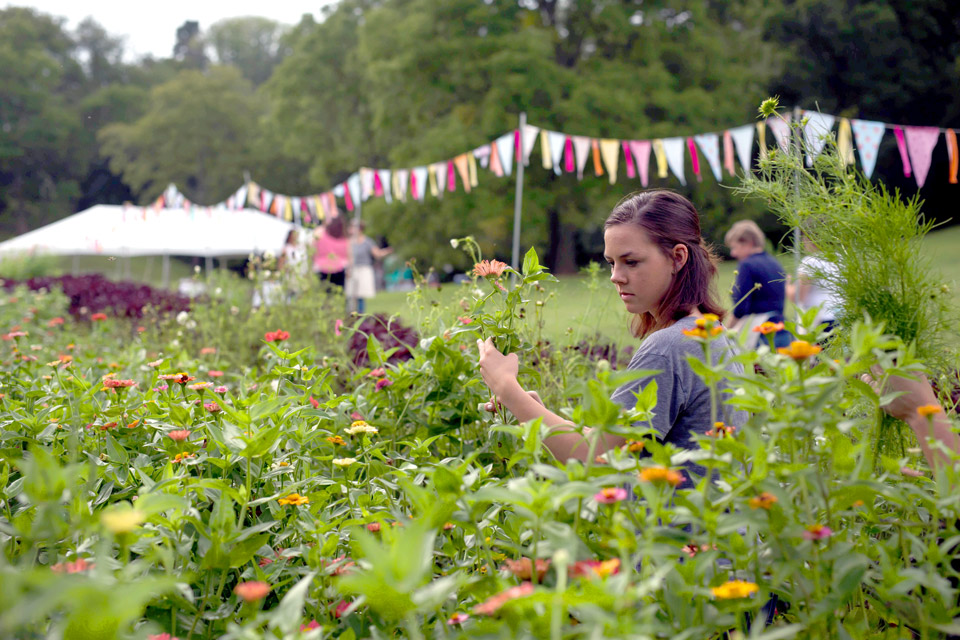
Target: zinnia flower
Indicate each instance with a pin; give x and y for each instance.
(341, 609)
(383, 382)
(180, 457)
(220, 389)
(692, 550)
(97, 317)
(200, 386)
(252, 591)
(276, 336)
(661, 474)
(928, 410)
(609, 495)
(379, 372)
(179, 435)
(179, 378)
(817, 532)
(155, 363)
(77, 566)
(118, 384)
(523, 568)
(458, 618)
(734, 589)
(336, 440)
(313, 624)
(55, 322)
(763, 501)
(361, 427)
(768, 327)
(207, 351)
(373, 527)
(703, 333)
(314, 402)
(912, 473)
(294, 499)
(634, 446)
(489, 268)
(465, 320)
(344, 462)
(120, 520)
(336, 327)
(212, 407)
(799, 350)
(213, 373)
(721, 430)
(492, 604)
(161, 636)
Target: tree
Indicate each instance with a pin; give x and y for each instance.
(190, 47)
(195, 133)
(252, 44)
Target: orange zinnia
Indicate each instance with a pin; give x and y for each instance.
(763, 501)
(768, 327)
(489, 268)
(661, 474)
(928, 410)
(799, 350)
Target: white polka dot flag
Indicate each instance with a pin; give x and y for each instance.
(709, 144)
(867, 135)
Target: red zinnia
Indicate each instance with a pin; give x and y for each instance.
(252, 591)
(97, 317)
(55, 322)
(276, 336)
(342, 607)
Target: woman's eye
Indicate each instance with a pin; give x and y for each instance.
(630, 263)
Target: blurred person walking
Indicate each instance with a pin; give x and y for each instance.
(361, 278)
(331, 252)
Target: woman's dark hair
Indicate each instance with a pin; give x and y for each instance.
(291, 236)
(335, 227)
(670, 219)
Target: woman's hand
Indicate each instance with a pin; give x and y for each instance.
(493, 404)
(915, 393)
(497, 370)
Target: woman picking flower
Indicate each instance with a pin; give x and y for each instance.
(665, 274)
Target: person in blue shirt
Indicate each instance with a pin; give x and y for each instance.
(759, 291)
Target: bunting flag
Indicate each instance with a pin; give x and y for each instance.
(845, 142)
(641, 153)
(694, 159)
(546, 154)
(628, 159)
(762, 139)
(610, 151)
(241, 200)
(418, 180)
(661, 154)
(287, 210)
(729, 162)
(581, 145)
(595, 150)
(401, 179)
(815, 131)
(472, 165)
(673, 151)
(483, 155)
(529, 138)
(495, 165)
(451, 177)
(366, 184)
(347, 199)
(902, 146)
(377, 185)
(463, 168)
(353, 183)
(952, 153)
(386, 186)
(432, 180)
(253, 194)
(569, 165)
(781, 131)
(558, 143)
(709, 144)
(266, 199)
(866, 136)
(440, 171)
(504, 146)
(920, 144)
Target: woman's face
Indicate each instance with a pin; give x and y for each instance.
(740, 250)
(641, 272)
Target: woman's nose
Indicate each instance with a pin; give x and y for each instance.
(616, 275)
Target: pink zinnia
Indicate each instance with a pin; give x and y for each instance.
(212, 407)
(252, 591)
(342, 607)
(492, 604)
(383, 382)
(220, 389)
(609, 495)
(314, 403)
(817, 532)
(373, 527)
(356, 415)
(336, 327)
(313, 624)
(77, 566)
(162, 636)
(458, 618)
(213, 373)
(179, 435)
(379, 372)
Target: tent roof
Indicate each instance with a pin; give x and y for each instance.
(138, 231)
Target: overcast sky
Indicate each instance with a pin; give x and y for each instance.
(150, 27)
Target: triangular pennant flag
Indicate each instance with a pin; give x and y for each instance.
(673, 150)
(401, 180)
(581, 146)
(610, 150)
(241, 199)
(761, 139)
(354, 183)
(781, 131)
(296, 204)
(743, 141)
(920, 144)
(275, 205)
(472, 165)
(694, 159)
(483, 155)
(569, 163)
(815, 131)
(505, 145)
(287, 209)
(495, 158)
(729, 162)
(419, 178)
(432, 179)
(451, 177)
(377, 185)
(546, 157)
(463, 168)
(709, 144)
(440, 168)
(628, 159)
(661, 155)
(866, 136)
(386, 186)
(595, 150)
(253, 194)
(529, 138)
(366, 184)
(347, 199)
(319, 210)
(845, 142)
(558, 143)
(902, 146)
(953, 154)
(266, 200)
(641, 153)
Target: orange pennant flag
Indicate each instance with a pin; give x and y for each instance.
(597, 165)
(495, 165)
(463, 168)
(728, 159)
(952, 153)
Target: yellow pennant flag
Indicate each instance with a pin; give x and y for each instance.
(287, 209)
(610, 150)
(660, 152)
(762, 139)
(545, 155)
(432, 179)
(319, 208)
(472, 165)
(845, 142)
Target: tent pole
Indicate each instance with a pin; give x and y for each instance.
(166, 272)
(518, 199)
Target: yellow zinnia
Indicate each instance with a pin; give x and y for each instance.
(294, 499)
(344, 462)
(734, 589)
(799, 350)
(122, 520)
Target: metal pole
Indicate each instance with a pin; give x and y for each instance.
(166, 272)
(797, 243)
(518, 199)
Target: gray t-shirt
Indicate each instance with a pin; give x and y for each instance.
(362, 252)
(683, 399)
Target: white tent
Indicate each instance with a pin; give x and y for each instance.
(126, 231)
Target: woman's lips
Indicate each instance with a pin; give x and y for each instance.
(624, 295)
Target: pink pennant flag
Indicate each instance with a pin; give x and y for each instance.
(451, 177)
(413, 186)
(377, 185)
(729, 162)
(694, 159)
(641, 152)
(516, 145)
(346, 197)
(495, 165)
(920, 144)
(569, 165)
(631, 172)
(902, 146)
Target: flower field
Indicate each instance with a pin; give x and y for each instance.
(295, 473)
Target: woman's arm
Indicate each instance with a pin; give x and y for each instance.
(379, 253)
(500, 373)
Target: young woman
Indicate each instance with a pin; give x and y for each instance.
(361, 279)
(331, 252)
(665, 275)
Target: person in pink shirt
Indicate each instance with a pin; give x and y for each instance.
(331, 252)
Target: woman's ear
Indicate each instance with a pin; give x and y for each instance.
(680, 255)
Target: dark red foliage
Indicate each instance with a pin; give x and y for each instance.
(389, 333)
(116, 299)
